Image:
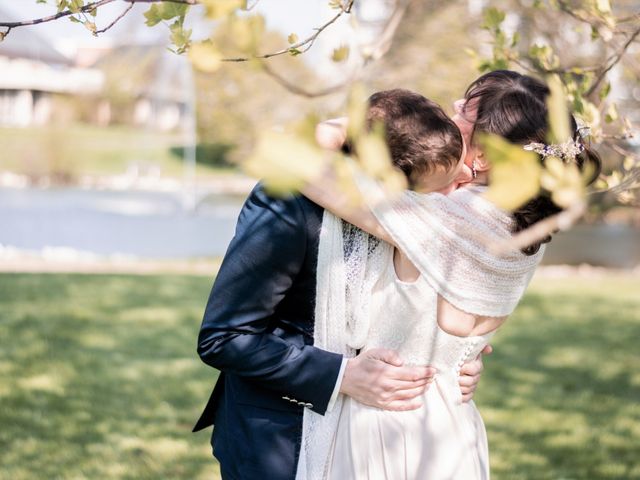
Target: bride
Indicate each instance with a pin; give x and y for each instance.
(432, 290)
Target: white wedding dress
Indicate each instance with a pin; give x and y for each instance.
(362, 304)
(445, 439)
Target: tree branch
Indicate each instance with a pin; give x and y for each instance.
(305, 44)
(388, 33)
(600, 71)
(613, 61)
(297, 90)
(381, 47)
(50, 18)
(116, 20)
(86, 8)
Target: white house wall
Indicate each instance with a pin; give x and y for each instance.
(25, 74)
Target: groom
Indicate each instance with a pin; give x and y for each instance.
(258, 332)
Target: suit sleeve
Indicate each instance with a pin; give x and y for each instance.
(260, 266)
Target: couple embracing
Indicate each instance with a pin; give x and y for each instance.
(349, 340)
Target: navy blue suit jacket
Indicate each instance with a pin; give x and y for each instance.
(258, 331)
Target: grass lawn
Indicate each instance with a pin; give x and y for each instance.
(99, 380)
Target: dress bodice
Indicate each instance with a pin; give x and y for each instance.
(405, 320)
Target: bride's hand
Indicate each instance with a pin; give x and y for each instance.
(470, 375)
(331, 134)
(378, 378)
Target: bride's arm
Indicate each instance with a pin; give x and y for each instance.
(326, 193)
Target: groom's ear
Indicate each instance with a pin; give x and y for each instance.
(482, 162)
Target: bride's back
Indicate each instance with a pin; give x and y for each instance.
(405, 318)
(450, 319)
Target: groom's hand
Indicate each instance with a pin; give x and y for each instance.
(378, 378)
(470, 375)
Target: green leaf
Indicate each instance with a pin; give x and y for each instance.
(153, 15)
(373, 154)
(629, 162)
(492, 18)
(285, 162)
(559, 130)
(374, 160)
(221, 8)
(91, 26)
(471, 52)
(179, 36)
(356, 112)
(564, 180)
(515, 173)
(76, 5)
(544, 57)
(294, 52)
(590, 115)
(604, 6)
(169, 10)
(515, 39)
(612, 113)
(340, 54)
(164, 11)
(306, 128)
(605, 90)
(246, 32)
(205, 56)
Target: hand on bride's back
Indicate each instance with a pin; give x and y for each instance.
(378, 378)
(470, 375)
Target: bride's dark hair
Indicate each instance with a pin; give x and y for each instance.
(513, 106)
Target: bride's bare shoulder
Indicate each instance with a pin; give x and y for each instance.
(464, 324)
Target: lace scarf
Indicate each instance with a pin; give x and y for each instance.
(349, 263)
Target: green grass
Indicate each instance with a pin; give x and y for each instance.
(561, 396)
(77, 149)
(99, 380)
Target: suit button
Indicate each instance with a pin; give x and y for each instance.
(308, 405)
(286, 398)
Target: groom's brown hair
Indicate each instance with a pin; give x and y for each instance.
(420, 136)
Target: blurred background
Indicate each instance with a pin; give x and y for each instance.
(118, 159)
(114, 148)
